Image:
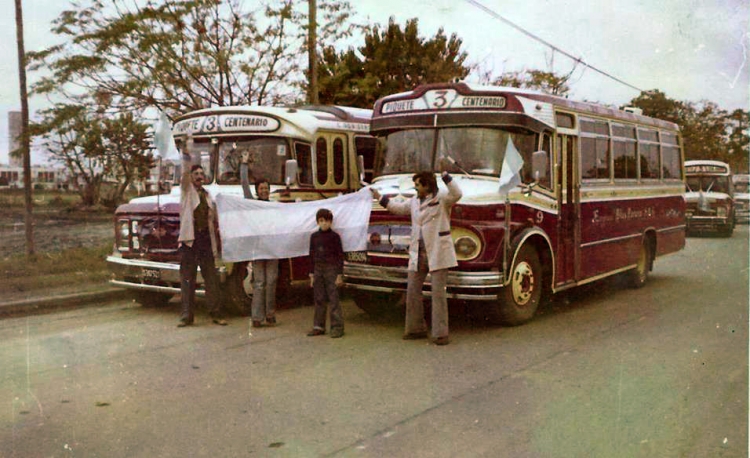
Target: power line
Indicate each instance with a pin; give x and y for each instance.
(550, 45)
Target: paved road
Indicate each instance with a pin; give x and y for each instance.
(603, 372)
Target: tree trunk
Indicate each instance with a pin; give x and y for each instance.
(25, 140)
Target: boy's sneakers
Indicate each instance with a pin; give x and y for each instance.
(336, 333)
(316, 332)
(257, 324)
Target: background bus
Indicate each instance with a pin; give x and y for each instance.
(602, 194)
(710, 197)
(326, 142)
(741, 198)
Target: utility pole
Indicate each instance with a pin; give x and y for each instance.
(312, 95)
(25, 140)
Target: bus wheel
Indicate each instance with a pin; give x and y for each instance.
(237, 290)
(519, 299)
(374, 303)
(639, 275)
(151, 299)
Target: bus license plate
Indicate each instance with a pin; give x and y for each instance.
(356, 256)
(151, 274)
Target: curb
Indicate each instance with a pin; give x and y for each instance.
(42, 304)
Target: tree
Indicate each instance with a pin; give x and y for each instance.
(184, 55)
(391, 60)
(738, 141)
(96, 147)
(25, 138)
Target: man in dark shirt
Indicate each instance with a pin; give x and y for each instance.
(327, 257)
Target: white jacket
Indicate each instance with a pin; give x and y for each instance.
(433, 218)
(189, 201)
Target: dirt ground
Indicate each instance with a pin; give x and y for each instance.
(54, 232)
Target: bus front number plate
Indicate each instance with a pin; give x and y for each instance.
(151, 275)
(356, 256)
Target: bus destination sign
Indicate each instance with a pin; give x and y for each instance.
(226, 123)
(444, 99)
(706, 168)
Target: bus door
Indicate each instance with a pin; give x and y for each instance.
(568, 201)
(331, 162)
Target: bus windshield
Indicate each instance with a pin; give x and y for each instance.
(476, 150)
(199, 154)
(708, 183)
(267, 157)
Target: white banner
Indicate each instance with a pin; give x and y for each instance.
(254, 229)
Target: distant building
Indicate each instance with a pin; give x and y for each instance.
(14, 132)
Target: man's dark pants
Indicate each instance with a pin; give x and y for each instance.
(325, 290)
(200, 254)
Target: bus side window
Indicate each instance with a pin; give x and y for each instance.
(338, 161)
(366, 146)
(321, 160)
(546, 181)
(304, 163)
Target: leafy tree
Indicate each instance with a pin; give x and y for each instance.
(95, 147)
(738, 123)
(391, 60)
(181, 55)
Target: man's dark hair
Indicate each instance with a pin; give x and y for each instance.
(259, 182)
(195, 167)
(325, 214)
(427, 179)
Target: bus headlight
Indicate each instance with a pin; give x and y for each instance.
(722, 212)
(123, 235)
(467, 245)
(136, 235)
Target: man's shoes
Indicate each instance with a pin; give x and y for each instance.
(271, 320)
(415, 335)
(257, 324)
(316, 332)
(184, 322)
(444, 340)
(220, 322)
(336, 333)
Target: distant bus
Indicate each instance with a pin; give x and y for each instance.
(741, 198)
(602, 193)
(331, 147)
(710, 197)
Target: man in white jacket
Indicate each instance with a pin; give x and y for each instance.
(197, 243)
(430, 250)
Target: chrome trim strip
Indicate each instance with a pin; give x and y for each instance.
(611, 240)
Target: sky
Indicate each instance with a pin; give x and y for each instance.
(691, 50)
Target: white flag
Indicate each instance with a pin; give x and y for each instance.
(510, 176)
(253, 229)
(163, 139)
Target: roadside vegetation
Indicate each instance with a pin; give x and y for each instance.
(71, 242)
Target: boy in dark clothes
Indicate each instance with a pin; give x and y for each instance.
(327, 257)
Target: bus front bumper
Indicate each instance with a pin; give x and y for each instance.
(158, 277)
(470, 286)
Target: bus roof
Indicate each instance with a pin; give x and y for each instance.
(586, 108)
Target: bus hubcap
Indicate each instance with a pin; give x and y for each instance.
(523, 283)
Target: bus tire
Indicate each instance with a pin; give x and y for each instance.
(237, 290)
(638, 276)
(518, 301)
(151, 299)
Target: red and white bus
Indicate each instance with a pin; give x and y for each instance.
(331, 150)
(602, 194)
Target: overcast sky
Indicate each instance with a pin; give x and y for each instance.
(690, 49)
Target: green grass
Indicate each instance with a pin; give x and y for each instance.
(50, 270)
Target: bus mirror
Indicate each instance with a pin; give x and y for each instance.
(291, 172)
(539, 165)
(361, 169)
